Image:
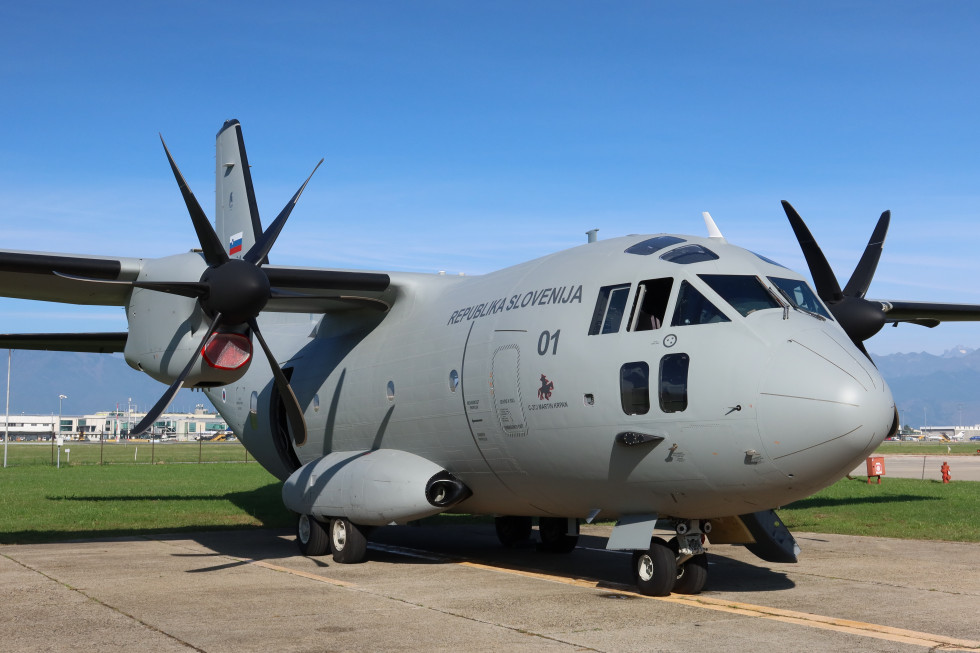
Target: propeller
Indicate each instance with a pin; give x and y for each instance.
(232, 293)
(859, 317)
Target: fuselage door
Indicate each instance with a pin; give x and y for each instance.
(505, 391)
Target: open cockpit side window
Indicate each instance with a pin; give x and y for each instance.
(650, 305)
(694, 308)
(610, 307)
(798, 293)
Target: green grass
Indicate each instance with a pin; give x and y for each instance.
(92, 453)
(42, 503)
(39, 503)
(930, 448)
(899, 507)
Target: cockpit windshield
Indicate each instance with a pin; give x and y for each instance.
(798, 293)
(745, 293)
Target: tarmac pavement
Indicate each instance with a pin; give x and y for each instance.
(438, 588)
(962, 468)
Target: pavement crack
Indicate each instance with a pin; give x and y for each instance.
(105, 605)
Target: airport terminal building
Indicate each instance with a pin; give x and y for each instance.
(113, 425)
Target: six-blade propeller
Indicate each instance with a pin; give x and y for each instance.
(859, 317)
(232, 293)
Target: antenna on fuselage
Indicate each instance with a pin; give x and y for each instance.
(591, 233)
(713, 231)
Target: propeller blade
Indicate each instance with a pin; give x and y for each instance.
(294, 414)
(858, 284)
(264, 243)
(168, 396)
(194, 289)
(823, 275)
(214, 251)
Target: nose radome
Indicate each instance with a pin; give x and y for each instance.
(822, 406)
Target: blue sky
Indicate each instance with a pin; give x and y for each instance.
(468, 136)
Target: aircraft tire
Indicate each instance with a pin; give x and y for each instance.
(655, 569)
(311, 536)
(348, 541)
(692, 575)
(512, 531)
(553, 532)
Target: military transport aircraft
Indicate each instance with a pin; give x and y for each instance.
(649, 378)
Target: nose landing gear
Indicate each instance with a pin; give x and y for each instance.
(680, 565)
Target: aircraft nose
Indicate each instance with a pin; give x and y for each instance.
(822, 407)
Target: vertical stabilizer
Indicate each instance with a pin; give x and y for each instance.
(236, 213)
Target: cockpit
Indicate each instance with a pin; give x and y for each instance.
(689, 297)
(745, 293)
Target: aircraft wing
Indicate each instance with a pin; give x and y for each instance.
(99, 343)
(928, 314)
(32, 275)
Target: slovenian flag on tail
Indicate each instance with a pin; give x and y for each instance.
(235, 246)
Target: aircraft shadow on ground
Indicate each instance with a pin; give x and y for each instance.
(263, 505)
(450, 540)
(827, 502)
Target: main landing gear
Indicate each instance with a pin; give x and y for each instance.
(680, 565)
(346, 541)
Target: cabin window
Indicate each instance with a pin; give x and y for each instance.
(694, 308)
(798, 293)
(650, 305)
(689, 254)
(746, 293)
(673, 382)
(609, 309)
(634, 387)
(655, 244)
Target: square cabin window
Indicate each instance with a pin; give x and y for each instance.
(634, 387)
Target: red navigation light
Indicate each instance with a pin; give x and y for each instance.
(227, 351)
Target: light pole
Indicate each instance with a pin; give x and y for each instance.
(60, 399)
(6, 424)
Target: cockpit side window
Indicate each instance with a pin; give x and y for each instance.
(799, 294)
(650, 305)
(609, 309)
(746, 293)
(694, 308)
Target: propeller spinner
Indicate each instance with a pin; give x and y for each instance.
(232, 292)
(859, 317)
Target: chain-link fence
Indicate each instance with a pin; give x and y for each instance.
(125, 452)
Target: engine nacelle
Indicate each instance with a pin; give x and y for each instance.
(165, 330)
(372, 488)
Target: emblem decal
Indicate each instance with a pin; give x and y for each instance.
(547, 387)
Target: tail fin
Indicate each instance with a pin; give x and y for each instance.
(236, 213)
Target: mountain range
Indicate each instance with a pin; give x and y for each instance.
(929, 390)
